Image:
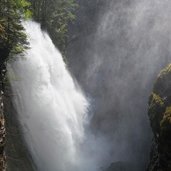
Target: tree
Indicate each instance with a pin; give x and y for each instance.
(13, 40)
(54, 16)
(12, 36)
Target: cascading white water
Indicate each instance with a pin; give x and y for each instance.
(51, 107)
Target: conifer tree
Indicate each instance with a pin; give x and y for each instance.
(54, 16)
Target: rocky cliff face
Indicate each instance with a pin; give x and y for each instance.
(160, 117)
(2, 134)
(122, 166)
(17, 155)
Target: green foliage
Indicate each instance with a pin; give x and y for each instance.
(166, 121)
(165, 71)
(157, 99)
(24, 7)
(12, 36)
(54, 16)
(155, 111)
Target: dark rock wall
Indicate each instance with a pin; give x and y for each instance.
(2, 134)
(18, 158)
(160, 118)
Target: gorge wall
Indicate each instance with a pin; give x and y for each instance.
(160, 117)
(17, 155)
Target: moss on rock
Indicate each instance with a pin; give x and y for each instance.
(156, 109)
(160, 117)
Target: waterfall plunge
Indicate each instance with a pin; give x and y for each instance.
(51, 107)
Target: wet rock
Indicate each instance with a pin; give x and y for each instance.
(17, 155)
(160, 118)
(122, 166)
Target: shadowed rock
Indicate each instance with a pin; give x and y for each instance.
(122, 166)
(160, 118)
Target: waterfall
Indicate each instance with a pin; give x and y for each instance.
(50, 105)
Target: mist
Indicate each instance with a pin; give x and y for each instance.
(116, 60)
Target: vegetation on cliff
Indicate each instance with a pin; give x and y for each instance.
(55, 16)
(160, 117)
(12, 37)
